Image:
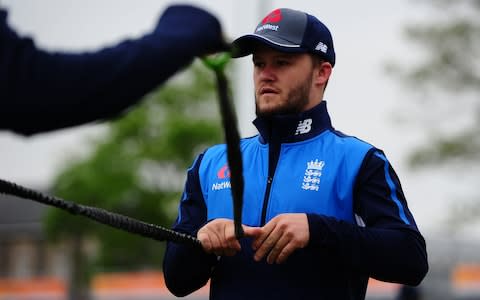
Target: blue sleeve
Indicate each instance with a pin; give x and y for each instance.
(42, 91)
(186, 268)
(386, 243)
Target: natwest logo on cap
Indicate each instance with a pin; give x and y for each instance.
(289, 31)
(274, 17)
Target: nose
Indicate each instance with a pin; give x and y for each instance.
(266, 73)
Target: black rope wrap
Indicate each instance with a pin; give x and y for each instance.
(100, 215)
(234, 155)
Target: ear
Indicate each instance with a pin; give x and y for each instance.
(321, 73)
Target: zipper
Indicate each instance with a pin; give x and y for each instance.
(273, 154)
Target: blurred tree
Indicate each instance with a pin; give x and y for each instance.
(447, 80)
(136, 169)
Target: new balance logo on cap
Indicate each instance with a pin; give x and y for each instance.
(290, 31)
(321, 47)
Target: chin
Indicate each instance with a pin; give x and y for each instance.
(267, 105)
(279, 110)
(264, 112)
(269, 111)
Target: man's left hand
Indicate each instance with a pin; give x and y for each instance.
(280, 237)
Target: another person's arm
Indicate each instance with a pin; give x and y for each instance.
(42, 91)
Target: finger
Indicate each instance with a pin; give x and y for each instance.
(233, 244)
(267, 244)
(214, 240)
(277, 249)
(285, 253)
(264, 233)
(229, 252)
(221, 244)
(204, 239)
(230, 239)
(252, 232)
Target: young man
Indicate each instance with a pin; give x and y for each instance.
(42, 91)
(323, 211)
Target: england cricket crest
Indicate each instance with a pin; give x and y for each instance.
(311, 180)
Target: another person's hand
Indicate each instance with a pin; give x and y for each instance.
(196, 26)
(280, 237)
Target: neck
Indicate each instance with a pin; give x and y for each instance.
(286, 128)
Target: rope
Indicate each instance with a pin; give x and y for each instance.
(229, 122)
(100, 215)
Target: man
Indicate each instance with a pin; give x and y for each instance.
(323, 211)
(42, 91)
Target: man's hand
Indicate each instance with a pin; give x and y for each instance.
(280, 237)
(218, 236)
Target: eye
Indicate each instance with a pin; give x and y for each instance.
(282, 62)
(258, 64)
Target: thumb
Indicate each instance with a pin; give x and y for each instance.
(252, 232)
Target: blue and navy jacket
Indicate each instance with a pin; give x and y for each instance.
(42, 91)
(360, 225)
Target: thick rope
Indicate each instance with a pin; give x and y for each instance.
(115, 220)
(229, 121)
(232, 137)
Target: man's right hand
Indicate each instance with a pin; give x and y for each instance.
(218, 236)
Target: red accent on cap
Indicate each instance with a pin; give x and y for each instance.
(274, 17)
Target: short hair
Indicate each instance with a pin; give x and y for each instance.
(316, 60)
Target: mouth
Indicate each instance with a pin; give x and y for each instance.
(267, 91)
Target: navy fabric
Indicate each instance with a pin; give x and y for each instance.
(359, 221)
(291, 31)
(42, 91)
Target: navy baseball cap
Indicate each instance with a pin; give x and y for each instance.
(288, 30)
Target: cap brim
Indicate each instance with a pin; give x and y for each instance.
(245, 45)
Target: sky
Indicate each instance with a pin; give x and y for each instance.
(362, 99)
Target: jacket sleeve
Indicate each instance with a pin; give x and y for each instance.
(385, 244)
(187, 268)
(42, 91)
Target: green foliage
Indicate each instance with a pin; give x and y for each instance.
(451, 41)
(448, 79)
(137, 169)
(453, 49)
(462, 147)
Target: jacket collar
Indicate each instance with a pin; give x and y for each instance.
(294, 127)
